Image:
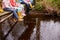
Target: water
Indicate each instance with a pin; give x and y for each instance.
(42, 28)
(50, 30)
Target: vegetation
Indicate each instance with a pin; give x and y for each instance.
(48, 4)
(39, 6)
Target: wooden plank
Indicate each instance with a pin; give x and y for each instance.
(10, 30)
(6, 17)
(37, 29)
(1, 14)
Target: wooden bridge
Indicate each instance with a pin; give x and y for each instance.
(6, 16)
(33, 15)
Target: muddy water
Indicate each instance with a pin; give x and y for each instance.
(47, 28)
(42, 28)
(50, 29)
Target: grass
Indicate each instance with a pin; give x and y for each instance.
(53, 3)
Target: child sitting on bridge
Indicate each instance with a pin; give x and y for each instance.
(28, 4)
(7, 7)
(19, 7)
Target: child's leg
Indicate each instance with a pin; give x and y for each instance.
(10, 10)
(27, 8)
(23, 12)
(20, 16)
(15, 14)
(22, 2)
(7, 9)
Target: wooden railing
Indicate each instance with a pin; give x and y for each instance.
(3, 14)
(12, 27)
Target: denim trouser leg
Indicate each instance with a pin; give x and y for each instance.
(27, 7)
(15, 14)
(10, 10)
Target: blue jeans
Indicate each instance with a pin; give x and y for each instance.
(13, 11)
(27, 7)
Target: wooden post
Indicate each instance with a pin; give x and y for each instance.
(37, 29)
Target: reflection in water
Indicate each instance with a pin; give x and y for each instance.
(47, 28)
(29, 31)
(50, 30)
(33, 35)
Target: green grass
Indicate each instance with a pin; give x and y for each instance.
(53, 3)
(39, 6)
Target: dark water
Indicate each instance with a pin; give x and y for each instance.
(42, 28)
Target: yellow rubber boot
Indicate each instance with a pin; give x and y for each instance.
(20, 16)
(1, 10)
(31, 6)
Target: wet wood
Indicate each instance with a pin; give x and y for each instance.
(6, 17)
(29, 30)
(4, 38)
(4, 13)
(38, 29)
(27, 33)
(1, 32)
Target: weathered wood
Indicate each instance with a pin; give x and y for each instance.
(1, 32)
(10, 30)
(4, 13)
(38, 29)
(6, 17)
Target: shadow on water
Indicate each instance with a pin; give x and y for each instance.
(38, 28)
(31, 22)
(27, 33)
